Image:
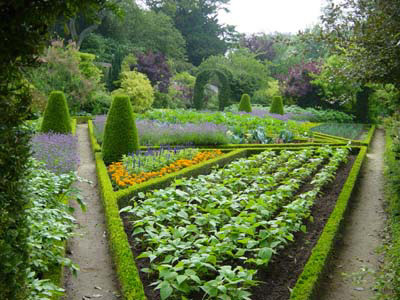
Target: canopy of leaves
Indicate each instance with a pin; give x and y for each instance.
(247, 74)
(367, 33)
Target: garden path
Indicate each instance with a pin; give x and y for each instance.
(89, 249)
(355, 259)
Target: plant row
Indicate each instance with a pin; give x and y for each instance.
(209, 235)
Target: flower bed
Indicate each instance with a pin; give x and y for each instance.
(207, 236)
(135, 169)
(153, 132)
(57, 151)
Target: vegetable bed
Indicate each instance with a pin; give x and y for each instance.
(216, 236)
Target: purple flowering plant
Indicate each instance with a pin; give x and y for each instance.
(57, 151)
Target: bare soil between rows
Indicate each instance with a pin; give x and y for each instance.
(282, 273)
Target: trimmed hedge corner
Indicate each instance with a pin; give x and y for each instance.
(120, 133)
(127, 273)
(308, 281)
(56, 115)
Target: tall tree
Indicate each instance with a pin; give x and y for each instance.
(366, 32)
(198, 23)
(23, 34)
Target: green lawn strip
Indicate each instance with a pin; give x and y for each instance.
(392, 195)
(330, 138)
(93, 141)
(127, 273)
(365, 141)
(123, 196)
(307, 283)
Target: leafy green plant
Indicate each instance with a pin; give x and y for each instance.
(245, 104)
(56, 117)
(197, 231)
(277, 106)
(120, 133)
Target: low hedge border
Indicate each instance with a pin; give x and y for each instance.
(205, 167)
(93, 142)
(82, 119)
(392, 197)
(307, 283)
(73, 126)
(127, 273)
(369, 136)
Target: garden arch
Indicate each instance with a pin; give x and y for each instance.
(202, 79)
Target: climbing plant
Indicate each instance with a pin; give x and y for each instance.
(202, 79)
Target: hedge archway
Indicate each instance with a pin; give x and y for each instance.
(202, 79)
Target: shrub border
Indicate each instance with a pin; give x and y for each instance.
(313, 271)
(392, 257)
(82, 119)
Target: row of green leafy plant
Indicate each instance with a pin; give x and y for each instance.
(210, 234)
(243, 128)
(50, 223)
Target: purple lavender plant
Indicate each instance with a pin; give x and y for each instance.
(57, 151)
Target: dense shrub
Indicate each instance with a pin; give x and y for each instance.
(181, 90)
(72, 72)
(138, 88)
(56, 115)
(120, 133)
(277, 106)
(245, 104)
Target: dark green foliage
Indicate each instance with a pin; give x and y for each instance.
(56, 116)
(245, 104)
(120, 133)
(23, 34)
(277, 106)
(115, 69)
(361, 107)
(202, 79)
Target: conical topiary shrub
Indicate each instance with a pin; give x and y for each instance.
(245, 104)
(277, 106)
(56, 115)
(120, 133)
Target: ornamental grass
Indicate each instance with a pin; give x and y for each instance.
(121, 178)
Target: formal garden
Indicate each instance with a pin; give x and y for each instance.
(222, 166)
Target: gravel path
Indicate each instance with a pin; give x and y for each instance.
(355, 258)
(89, 249)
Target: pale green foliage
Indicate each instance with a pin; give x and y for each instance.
(181, 89)
(138, 87)
(265, 95)
(334, 81)
(128, 60)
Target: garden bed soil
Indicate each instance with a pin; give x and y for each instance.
(285, 268)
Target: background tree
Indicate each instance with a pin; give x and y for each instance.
(367, 34)
(23, 36)
(198, 23)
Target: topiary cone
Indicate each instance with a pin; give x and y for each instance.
(277, 106)
(56, 115)
(120, 133)
(244, 104)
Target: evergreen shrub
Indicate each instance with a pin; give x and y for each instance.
(120, 133)
(277, 106)
(245, 104)
(56, 115)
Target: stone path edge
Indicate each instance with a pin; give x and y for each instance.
(307, 283)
